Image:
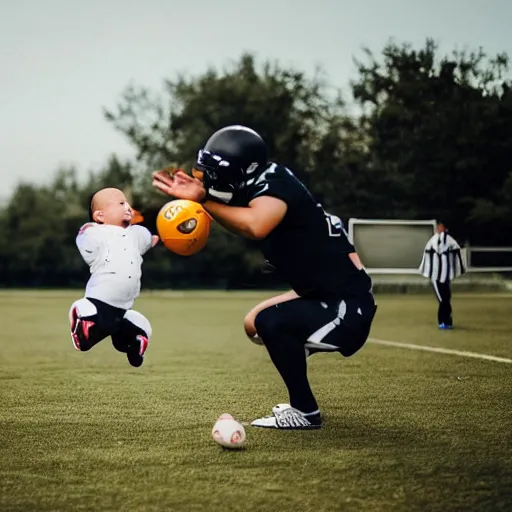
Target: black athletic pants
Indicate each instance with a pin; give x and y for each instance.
(340, 325)
(111, 321)
(444, 296)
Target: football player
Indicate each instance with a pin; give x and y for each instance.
(113, 247)
(330, 307)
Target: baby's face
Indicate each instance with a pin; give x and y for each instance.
(116, 210)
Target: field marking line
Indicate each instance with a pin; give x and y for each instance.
(440, 350)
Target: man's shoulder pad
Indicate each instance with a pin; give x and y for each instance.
(274, 173)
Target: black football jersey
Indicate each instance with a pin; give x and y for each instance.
(309, 248)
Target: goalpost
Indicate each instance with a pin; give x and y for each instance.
(396, 247)
(390, 246)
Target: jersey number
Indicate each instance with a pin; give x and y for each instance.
(334, 225)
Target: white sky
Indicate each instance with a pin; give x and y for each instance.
(61, 61)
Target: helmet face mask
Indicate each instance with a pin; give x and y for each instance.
(214, 171)
(229, 156)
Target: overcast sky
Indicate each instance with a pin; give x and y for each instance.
(62, 61)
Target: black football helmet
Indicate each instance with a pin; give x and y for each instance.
(231, 156)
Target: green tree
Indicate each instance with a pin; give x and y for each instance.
(440, 132)
(290, 110)
(295, 114)
(432, 138)
(39, 224)
(35, 240)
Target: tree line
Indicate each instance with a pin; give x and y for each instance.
(421, 135)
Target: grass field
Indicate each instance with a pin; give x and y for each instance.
(404, 430)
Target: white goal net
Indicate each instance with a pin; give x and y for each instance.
(390, 246)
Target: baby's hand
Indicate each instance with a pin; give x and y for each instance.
(154, 240)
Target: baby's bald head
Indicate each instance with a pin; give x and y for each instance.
(103, 196)
(110, 206)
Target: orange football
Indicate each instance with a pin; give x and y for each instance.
(183, 226)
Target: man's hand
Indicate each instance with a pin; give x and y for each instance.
(179, 185)
(154, 240)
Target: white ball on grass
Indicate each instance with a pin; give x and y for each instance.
(228, 432)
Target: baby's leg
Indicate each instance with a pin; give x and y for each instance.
(133, 337)
(85, 323)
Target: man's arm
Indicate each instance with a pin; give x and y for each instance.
(255, 222)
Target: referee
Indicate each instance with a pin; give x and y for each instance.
(442, 262)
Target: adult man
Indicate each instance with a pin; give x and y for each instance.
(442, 262)
(330, 307)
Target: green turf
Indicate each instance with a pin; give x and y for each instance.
(404, 430)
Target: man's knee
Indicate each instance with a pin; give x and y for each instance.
(249, 327)
(250, 318)
(271, 322)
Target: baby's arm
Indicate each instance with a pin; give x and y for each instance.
(144, 237)
(88, 242)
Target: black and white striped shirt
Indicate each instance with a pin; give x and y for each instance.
(442, 259)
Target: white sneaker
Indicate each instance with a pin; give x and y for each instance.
(286, 417)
